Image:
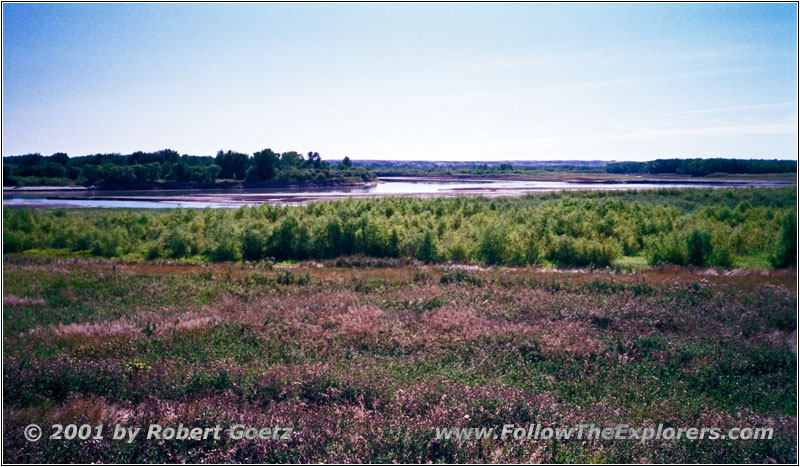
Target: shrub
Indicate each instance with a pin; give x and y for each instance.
(492, 244)
(177, 244)
(596, 253)
(568, 229)
(281, 243)
(567, 251)
(562, 251)
(13, 242)
(426, 250)
(106, 243)
(785, 252)
(698, 247)
(226, 248)
(253, 244)
(721, 257)
(667, 249)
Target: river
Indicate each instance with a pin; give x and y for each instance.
(229, 198)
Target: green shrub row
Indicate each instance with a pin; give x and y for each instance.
(757, 226)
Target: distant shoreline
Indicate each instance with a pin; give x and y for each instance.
(47, 197)
(183, 186)
(732, 180)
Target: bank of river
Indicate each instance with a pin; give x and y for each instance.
(388, 186)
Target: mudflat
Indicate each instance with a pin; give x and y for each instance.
(450, 186)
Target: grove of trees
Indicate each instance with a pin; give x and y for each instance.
(703, 167)
(167, 165)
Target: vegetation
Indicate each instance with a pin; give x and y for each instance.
(364, 364)
(701, 227)
(703, 167)
(165, 166)
(198, 319)
(583, 169)
(479, 169)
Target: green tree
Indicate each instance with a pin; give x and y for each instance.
(233, 164)
(60, 158)
(265, 163)
(291, 159)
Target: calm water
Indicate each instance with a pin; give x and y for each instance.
(227, 198)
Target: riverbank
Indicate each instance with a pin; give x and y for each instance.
(190, 186)
(610, 179)
(421, 187)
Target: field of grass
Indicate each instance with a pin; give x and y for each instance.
(364, 358)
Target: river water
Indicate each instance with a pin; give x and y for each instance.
(224, 198)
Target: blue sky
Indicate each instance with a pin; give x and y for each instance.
(403, 81)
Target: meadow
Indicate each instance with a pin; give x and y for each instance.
(365, 362)
(367, 324)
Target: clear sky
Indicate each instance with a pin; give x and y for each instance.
(403, 81)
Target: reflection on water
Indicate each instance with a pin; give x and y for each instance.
(105, 203)
(238, 196)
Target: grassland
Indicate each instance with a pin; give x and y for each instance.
(365, 357)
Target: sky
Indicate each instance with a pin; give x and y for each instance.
(403, 81)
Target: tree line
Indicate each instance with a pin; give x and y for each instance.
(691, 167)
(504, 170)
(168, 166)
(703, 167)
